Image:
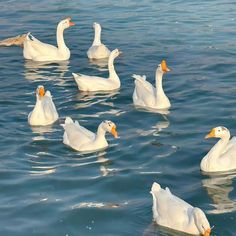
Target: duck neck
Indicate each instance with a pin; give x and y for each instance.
(38, 103)
(97, 37)
(100, 137)
(160, 94)
(111, 68)
(219, 147)
(60, 38)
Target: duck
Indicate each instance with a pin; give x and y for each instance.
(221, 157)
(146, 95)
(44, 112)
(35, 50)
(98, 50)
(94, 83)
(81, 139)
(172, 212)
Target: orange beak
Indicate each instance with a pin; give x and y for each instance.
(114, 132)
(211, 134)
(164, 66)
(207, 232)
(70, 22)
(41, 91)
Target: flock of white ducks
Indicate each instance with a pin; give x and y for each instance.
(168, 210)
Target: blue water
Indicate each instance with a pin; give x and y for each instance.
(48, 189)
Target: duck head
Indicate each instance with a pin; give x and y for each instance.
(110, 127)
(66, 23)
(115, 53)
(163, 68)
(40, 91)
(218, 132)
(201, 222)
(97, 26)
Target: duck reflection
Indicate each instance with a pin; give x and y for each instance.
(155, 129)
(218, 188)
(100, 64)
(105, 171)
(160, 111)
(45, 70)
(39, 131)
(42, 129)
(87, 99)
(154, 229)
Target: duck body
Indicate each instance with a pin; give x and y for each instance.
(172, 212)
(95, 83)
(98, 50)
(44, 112)
(82, 139)
(35, 50)
(146, 95)
(222, 156)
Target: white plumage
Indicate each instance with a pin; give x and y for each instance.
(172, 212)
(44, 112)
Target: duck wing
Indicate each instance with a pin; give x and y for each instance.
(37, 47)
(228, 157)
(85, 131)
(171, 211)
(49, 107)
(76, 135)
(91, 83)
(144, 92)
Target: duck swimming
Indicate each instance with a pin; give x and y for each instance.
(44, 112)
(222, 156)
(35, 50)
(146, 95)
(172, 212)
(82, 139)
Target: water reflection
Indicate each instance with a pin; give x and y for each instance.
(155, 129)
(100, 64)
(147, 109)
(154, 229)
(88, 99)
(218, 188)
(39, 131)
(45, 70)
(105, 171)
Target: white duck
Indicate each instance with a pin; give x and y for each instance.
(44, 112)
(81, 139)
(146, 95)
(222, 156)
(95, 83)
(37, 51)
(172, 212)
(98, 50)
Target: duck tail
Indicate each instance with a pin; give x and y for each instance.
(139, 77)
(76, 76)
(155, 187)
(68, 120)
(30, 37)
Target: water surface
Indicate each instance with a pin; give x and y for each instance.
(49, 189)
